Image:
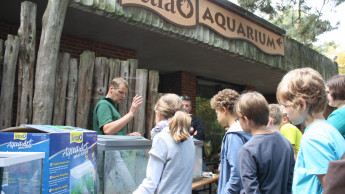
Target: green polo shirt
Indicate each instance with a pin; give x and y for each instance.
(106, 112)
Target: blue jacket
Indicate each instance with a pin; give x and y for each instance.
(229, 176)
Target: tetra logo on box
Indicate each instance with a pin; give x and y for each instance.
(76, 137)
(21, 136)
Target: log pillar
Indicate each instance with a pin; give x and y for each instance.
(133, 66)
(124, 73)
(7, 84)
(72, 93)
(140, 89)
(26, 62)
(61, 81)
(1, 59)
(52, 24)
(152, 98)
(85, 80)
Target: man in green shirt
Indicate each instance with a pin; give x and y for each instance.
(106, 118)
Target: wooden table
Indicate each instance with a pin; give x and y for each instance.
(204, 182)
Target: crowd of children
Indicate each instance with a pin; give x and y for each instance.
(266, 162)
(262, 152)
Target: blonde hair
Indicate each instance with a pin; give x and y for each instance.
(170, 106)
(117, 81)
(254, 106)
(276, 113)
(305, 83)
(226, 98)
(179, 125)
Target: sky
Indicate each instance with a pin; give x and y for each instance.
(338, 35)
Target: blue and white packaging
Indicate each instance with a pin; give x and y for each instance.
(70, 162)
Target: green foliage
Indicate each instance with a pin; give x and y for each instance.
(334, 52)
(263, 6)
(325, 47)
(304, 27)
(213, 131)
(301, 21)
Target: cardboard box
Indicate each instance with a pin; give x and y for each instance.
(70, 163)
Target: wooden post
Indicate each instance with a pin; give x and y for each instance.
(100, 79)
(124, 73)
(26, 62)
(72, 94)
(52, 23)
(1, 59)
(152, 97)
(100, 84)
(8, 76)
(133, 66)
(61, 88)
(140, 88)
(114, 70)
(85, 77)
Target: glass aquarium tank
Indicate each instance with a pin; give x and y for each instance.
(198, 160)
(21, 172)
(122, 162)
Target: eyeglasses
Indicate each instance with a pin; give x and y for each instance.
(185, 97)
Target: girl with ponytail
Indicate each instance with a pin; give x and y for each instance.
(171, 164)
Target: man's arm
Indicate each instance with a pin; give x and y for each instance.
(115, 126)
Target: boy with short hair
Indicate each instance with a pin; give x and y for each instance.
(303, 94)
(229, 176)
(266, 160)
(280, 123)
(275, 117)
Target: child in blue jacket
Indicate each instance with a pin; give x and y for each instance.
(229, 176)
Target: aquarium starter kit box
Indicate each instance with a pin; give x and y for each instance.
(70, 162)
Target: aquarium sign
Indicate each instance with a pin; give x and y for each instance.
(189, 13)
(21, 136)
(76, 137)
(180, 12)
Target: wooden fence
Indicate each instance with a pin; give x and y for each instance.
(74, 86)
